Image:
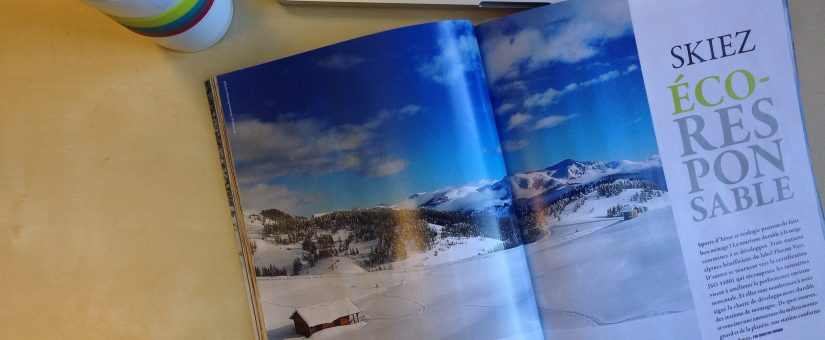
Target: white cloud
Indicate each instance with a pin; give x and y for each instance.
(542, 99)
(384, 115)
(517, 85)
(513, 145)
(570, 88)
(564, 40)
(386, 167)
(409, 109)
(504, 108)
(266, 150)
(552, 95)
(604, 77)
(551, 121)
(256, 143)
(504, 53)
(340, 61)
(527, 122)
(518, 119)
(265, 196)
(458, 55)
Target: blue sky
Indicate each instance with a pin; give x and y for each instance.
(364, 122)
(565, 83)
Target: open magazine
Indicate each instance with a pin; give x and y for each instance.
(589, 170)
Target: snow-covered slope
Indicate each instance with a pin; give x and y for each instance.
(565, 174)
(254, 223)
(593, 207)
(485, 195)
(447, 250)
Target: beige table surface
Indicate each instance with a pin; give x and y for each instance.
(113, 219)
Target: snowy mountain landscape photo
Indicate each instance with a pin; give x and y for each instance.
(426, 229)
(578, 192)
(383, 211)
(603, 247)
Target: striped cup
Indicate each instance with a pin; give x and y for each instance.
(182, 25)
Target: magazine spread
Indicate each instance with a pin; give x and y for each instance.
(567, 172)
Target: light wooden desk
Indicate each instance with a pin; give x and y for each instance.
(113, 219)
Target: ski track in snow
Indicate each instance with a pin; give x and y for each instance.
(574, 236)
(377, 294)
(599, 322)
(485, 306)
(624, 250)
(421, 307)
(280, 305)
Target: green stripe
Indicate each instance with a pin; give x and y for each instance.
(165, 18)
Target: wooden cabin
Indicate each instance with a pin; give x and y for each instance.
(630, 213)
(312, 319)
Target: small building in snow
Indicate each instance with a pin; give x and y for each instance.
(630, 213)
(312, 319)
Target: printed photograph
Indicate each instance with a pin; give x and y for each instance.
(381, 211)
(587, 182)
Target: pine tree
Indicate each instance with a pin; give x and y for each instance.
(297, 266)
(253, 246)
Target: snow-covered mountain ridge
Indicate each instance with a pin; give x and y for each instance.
(486, 195)
(493, 195)
(568, 173)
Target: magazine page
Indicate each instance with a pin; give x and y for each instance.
(651, 207)
(725, 103)
(373, 191)
(584, 167)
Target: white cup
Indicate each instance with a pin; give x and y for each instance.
(182, 25)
